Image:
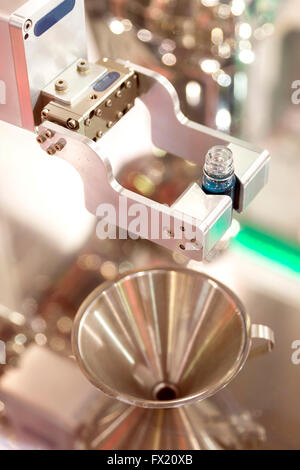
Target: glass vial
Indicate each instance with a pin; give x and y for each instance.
(218, 172)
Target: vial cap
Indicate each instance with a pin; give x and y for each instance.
(219, 162)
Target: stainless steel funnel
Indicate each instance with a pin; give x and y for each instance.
(219, 422)
(162, 338)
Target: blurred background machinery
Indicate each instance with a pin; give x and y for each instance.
(233, 64)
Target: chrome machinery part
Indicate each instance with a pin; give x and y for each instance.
(90, 115)
(90, 98)
(170, 130)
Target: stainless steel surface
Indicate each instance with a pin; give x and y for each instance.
(77, 83)
(251, 164)
(174, 327)
(39, 403)
(214, 424)
(85, 108)
(171, 130)
(265, 337)
(206, 217)
(262, 400)
(214, 214)
(252, 170)
(59, 43)
(267, 388)
(10, 109)
(30, 61)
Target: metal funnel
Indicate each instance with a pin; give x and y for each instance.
(161, 338)
(213, 424)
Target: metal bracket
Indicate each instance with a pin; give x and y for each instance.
(207, 217)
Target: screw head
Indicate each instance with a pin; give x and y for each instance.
(83, 66)
(61, 85)
(119, 114)
(49, 134)
(128, 84)
(59, 146)
(41, 139)
(99, 134)
(87, 122)
(109, 124)
(129, 106)
(45, 113)
(72, 124)
(27, 25)
(168, 233)
(119, 94)
(51, 150)
(108, 103)
(98, 112)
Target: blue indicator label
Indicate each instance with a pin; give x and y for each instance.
(105, 82)
(53, 17)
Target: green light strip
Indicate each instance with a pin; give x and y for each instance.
(283, 252)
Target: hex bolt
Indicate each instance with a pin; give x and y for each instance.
(61, 85)
(72, 124)
(27, 25)
(51, 150)
(83, 66)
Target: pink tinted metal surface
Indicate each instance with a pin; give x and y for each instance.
(17, 41)
(9, 101)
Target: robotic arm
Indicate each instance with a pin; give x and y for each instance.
(89, 115)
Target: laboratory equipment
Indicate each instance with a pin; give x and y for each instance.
(89, 113)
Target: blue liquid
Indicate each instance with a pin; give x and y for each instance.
(219, 186)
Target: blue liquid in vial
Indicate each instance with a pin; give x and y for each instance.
(219, 186)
